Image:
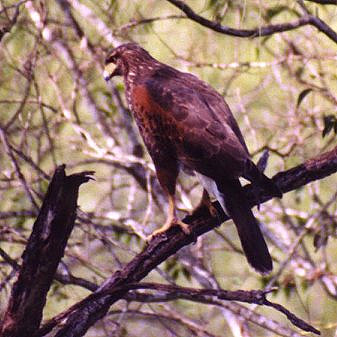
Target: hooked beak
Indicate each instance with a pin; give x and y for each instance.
(110, 71)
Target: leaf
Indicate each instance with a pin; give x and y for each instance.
(262, 162)
(212, 3)
(270, 13)
(186, 273)
(327, 129)
(299, 71)
(320, 240)
(330, 122)
(335, 127)
(289, 289)
(305, 285)
(175, 274)
(170, 264)
(302, 95)
(257, 52)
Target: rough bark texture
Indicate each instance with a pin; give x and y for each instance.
(42, 255)
(85, 313)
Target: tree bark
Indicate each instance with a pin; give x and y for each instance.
(43, 252)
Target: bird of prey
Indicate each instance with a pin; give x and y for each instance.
(185, 123)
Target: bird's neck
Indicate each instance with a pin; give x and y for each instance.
(138, 67)
(137, 71)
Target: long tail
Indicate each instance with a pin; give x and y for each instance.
(252, 241)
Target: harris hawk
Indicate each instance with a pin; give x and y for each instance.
(185, 123)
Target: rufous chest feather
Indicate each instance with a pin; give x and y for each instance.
(155, 124)
(149, 116)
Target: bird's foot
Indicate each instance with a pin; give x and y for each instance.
(175, 222)
(184, 226)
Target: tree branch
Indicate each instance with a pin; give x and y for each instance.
(324, 2)
(168, 293)
(238, 309)
(42, 255)
(7, 28)
(205, 296)
(85, 313)
(202, 295)
(260, 31)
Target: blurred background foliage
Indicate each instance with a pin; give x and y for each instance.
(56, 108)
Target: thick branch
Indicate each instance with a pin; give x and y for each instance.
(42, 255)
(85, 313)
(260, 31)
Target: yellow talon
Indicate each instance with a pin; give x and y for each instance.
(184, 227)
(170, 221)
(175, 222)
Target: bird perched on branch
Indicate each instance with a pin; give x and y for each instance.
(184, 122)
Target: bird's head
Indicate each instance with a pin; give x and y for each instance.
(126, 58)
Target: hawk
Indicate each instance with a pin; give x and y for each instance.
(185, 123)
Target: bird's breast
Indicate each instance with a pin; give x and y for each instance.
(155, 125)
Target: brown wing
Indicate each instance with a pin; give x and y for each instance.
(206, 136)
(217, 104)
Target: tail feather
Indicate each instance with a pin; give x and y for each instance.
(252, 241)
(253, 174)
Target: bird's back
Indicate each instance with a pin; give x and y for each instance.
(198, 121)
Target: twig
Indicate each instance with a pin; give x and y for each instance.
(22, 179)
(12, 22)
(324, 2)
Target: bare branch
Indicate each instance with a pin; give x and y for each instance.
(42, 255)
(324, 2)
(260, 31)
(201, 295)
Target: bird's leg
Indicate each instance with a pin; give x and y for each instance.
(171, 220)
(206, 202)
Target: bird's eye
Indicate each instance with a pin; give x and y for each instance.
(112, 58)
